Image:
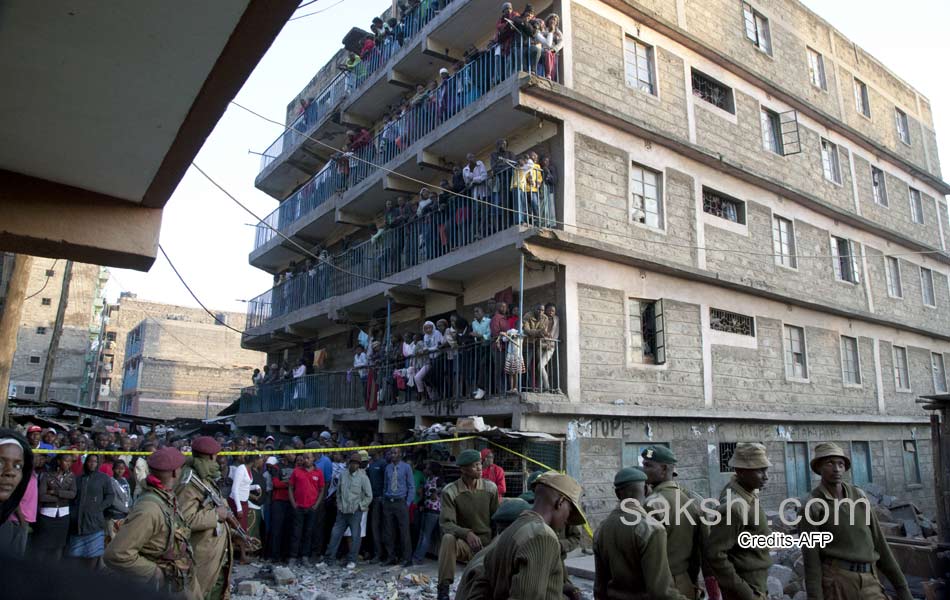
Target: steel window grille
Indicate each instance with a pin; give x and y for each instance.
(46, 301)
(34, 360)
(916, 207)
(757, 28)
(850, 363)
(927, 287)
(712, 91)
(878, 186)
(892, 273)
(861, 101)
(730, 322)
(646, 196)
(901, 374)
(726, 450)
(723, 207)
(796, 363)
(816, 69)
(29, 390)
(783, 242)
(829, 161)
(903, 128)
(639, 65)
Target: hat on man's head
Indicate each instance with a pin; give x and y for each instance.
(827, 450)
(749, 456)
(34, 429)
(509, 510)
(364, 456)
(443, 71)
(468, 457)
(485, 452)
(168, 458)
(628, 475)
(205, 445)
(271, 460)
(567, 487)
(506, 6)
(660, 454)
(325, 435)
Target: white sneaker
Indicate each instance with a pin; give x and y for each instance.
(351, 565)
(479, 394)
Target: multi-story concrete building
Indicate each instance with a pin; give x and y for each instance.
(75, 355)
(749, 241)
(177, 361)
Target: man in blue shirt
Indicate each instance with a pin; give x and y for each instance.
(399, 491)
(376, 471)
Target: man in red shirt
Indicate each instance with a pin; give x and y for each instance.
(305, 490)
(493, 472)
(498, 326)
(280, 509)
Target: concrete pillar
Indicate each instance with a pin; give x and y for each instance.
(10, 324)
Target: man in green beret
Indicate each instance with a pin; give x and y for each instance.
(472, 585)
(630, 556)
(679, 514)
(742, 573)
(467, 506)
(525, 560)
(847, 566)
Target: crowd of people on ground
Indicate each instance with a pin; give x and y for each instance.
(167, 519)
(450, 358)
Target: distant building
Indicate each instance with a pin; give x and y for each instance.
(173, 361)
(75, 356)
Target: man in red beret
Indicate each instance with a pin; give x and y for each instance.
(493, 472)
(206, 514)
(153, 543)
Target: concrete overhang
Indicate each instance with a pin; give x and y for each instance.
(106, 106)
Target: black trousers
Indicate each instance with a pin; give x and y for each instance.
(396, 523)
(280, 521)
(375, 523)
(302, 536)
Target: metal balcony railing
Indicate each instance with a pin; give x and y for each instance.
(349, 168)
(512, 197)
(447, 376)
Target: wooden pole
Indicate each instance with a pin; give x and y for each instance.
(57, 332)
(10, 324)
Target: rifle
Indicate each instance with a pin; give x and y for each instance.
(251, 544)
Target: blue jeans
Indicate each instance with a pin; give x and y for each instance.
(430, 524)
(344, 520)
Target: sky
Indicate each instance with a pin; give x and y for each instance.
(208, 236)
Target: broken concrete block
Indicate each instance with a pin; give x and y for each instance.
(912, 528)
(892, 529)
(284, 576)
(782, 573)
(874, 492)
(250, 588)
(883, 514)
(799, 566)
(802, 595)
(904, 511)
(775, 588)
(888, 501)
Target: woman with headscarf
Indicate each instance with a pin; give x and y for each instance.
(16, 463)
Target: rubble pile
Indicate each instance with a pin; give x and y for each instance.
(897, 517)
(306, 582)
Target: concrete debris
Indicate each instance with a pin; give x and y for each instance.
(782, 573)
(775, 588)
(284, 576)
(250, 588)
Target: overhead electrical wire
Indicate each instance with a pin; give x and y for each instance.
(316, 12)
(49, 275)
(564, 223)
(187, 287)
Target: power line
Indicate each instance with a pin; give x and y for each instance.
(564, 223)
(316, 12)
(49, 274)
(187, 287)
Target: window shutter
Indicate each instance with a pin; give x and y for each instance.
(835, 259)
(855, 273)
(660, 321)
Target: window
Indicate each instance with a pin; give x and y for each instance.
(714, 92)
(844, 260)
(757, 28)
(861, 463)
(861, 101)
(850, 364)
(783, 242)
(34, 360)
(878, 186)
(796, 363)
(927, 287)
(646, 196)
(901, 374)
(903, 130)
(940, 374)
(892, 273)
(911, 463)
(639, 65)
(221, 319)
(723, 206)
(829, 161)
(40, 331)
(46, 301)
(29, 390)
(726, 449)
(816, 69)
(647, 336)
(916, 206)
(771, 131)
(110, 336)
(50, 273)
(730, 322)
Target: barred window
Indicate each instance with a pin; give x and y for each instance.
(29, 390)
(46, 301)
(730, 322)
(712, 91)
(726, 450)
(723, 206)
(639, 65)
